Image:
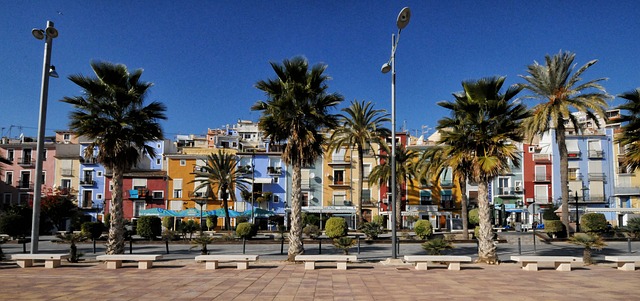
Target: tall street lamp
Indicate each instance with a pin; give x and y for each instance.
(48, 35)
(402, 22)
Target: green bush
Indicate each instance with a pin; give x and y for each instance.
(246, 230)
(149, 227)
(310, 219)
(372, 230)
(378, 219)
(550, 214)
(336, 227)
(92, 230)
(344, 243)
(474, 217)
(423, 228)
(436, 246)
(312, 231)
(167, 222)
(593, 223)
(15, 221)
(553, 226)
(212, 220)
(633, 227)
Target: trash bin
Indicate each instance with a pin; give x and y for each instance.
(518, 227)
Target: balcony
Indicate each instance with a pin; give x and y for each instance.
(274, 171)
(626, 190)
(574, 176)
(542, 178)
(91, 160)
(368, 203)
(597, 176)
(246, 169)
(339, 184)
(25, 185)
(305, 183)
(509, 191)
(596, 154)
(141, 193)
(28, 161)
(87, 182)
(543, 200)
(198, 195)
(446, 183)
(572, 154)
(342, 203)
(340, 160)
(66, 172)
(542, 158)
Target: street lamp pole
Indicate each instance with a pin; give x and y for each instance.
(48, 35)
(577, 214)
(402, 22)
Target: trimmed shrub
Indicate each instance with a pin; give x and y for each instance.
(312, 231)
(423, 228)
(553, 226)
(593, 222)
(336, 227)
(310, 219)
(16, 221)
(550, 214)
(378, 219)
(149, 227)
(344, 243)
(633, 226)
(436, 246)
(372, 230)
(246, 230)
(474, 217)
(92, 230)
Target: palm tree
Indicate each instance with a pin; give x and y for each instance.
(360, 125)
(482, 128)
(437, 161)
(406, 165)
(630, 137)
(220, 175)
(561, 92)
(295, 113)
(111, 112)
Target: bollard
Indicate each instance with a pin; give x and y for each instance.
(131, 246)
(358, 237)
(534, 242)
(282, 245)
(519, 247)
(319, 245)
(166, 243)
(244, 245)
(629, 245)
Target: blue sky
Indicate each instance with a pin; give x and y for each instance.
(204, 57)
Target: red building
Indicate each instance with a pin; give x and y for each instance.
(141, 190)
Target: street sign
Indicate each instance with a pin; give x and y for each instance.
(533, 208)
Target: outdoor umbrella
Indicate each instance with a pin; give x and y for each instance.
(154, 212)
(220, 213)
(191, 212)
(259, 212)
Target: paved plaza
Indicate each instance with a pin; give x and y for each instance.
(179, 277)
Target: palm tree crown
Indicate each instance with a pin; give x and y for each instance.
(296, 112)
(111, 112)
(631, 129)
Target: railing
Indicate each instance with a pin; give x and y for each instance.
(87, 182)
(138, 193)
(91, 160)
(26, 161)
(543, 200)
(624, 190)
(339, 160)
(542, 177)
(542, 157)
(198, 195)
(272, 170)
(343, 203)
(368, 203)
(66, 172)
(25, 185)
(305, 183)
(245, 169)
(596, 154)
(573, 154)
(597, 176)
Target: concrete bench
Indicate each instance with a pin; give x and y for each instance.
(211, 261)
(625, 263)
(561, 263)
(114, 261)
(50, 260)
(422, 261)
(341, 260)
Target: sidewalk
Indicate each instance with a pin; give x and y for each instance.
(279, 280)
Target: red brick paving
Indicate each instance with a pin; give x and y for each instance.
(276, 280)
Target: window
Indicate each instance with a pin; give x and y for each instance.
(87, 199)
(276, 199)
(367, 171)
(24, 198)
(137, 207)
(6, 199)
(44, 177)
(158, 146)
(446, 200)
(275, 180)
(8, 178)
(26, 156)
(44, 155)
(305, 199)
(183, 162)
(65, 183)
(503, 185)
(339, 200)
(99, 196)
(99, 173)
(111, 185)
(10, 155)
(425, 197)
(158, 194)
(541, 173)
(66, 137)
(158, 161)
(177, 188)
(338, 177)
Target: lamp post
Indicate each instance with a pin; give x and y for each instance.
(401, 22)
(253, 179)
(47, 70)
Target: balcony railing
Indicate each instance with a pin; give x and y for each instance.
(597, 176)
(87, 181)
(246, 169)
(26, 161)
(274, 171)
(91, 160)
(368, 203)
(542, 158)
(198, 195)
(340, 160)
(573, 154)
(343, 203)
(596, 154)
(543, 200)
(542, 177)
(141, 193)
(66, 172)
(509, 191)
(25, 185)
(305, 183)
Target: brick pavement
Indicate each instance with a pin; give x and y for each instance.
(279, 280)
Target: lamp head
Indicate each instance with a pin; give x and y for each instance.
(38, 33)
(403, 18)
(386, 67)
(52, 71)
(52, 32)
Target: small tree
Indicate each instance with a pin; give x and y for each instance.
(190, 227)
(312, 231)
(474, 218)
(15, 221)
(593, 223)
(149, 227)
(553, 227)
(246, 231)
(589, 242)
(336, 227)
(550, 214)
(211, 222)
(372, 230)
(633, 227)
(92, 230)
(423, 229)
(436, 246)
(202, 241)
(72, 238)
(378, 219)
(344, 243)
(167, 222)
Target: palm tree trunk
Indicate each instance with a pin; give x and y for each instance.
(227, 219)
(295, 232)
(586, 256)
(360, 185)
(463, 207)
(486, 248)
(564, 172)
(115, 242)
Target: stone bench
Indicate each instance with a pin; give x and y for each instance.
(561, 263)
(114, 261)
(341, 260)
(211, 261)
(422, 261)
(625, 263)
(50, 260)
